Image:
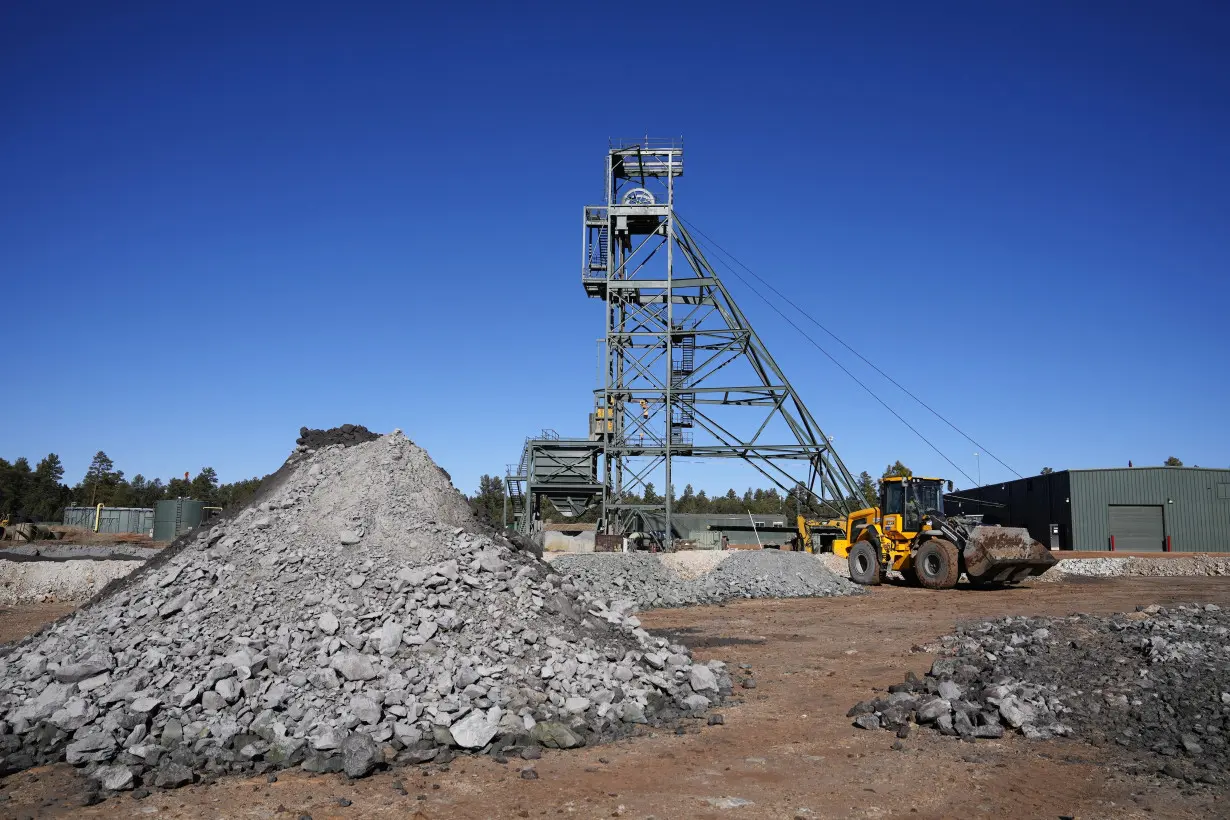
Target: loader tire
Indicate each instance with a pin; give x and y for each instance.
(937, 564)
(864, 563)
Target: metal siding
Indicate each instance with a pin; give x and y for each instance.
(1035, 503)
(112, 520)
(1193, 516)
(1061, 507)
(189, 513)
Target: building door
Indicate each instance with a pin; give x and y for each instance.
(1137, 528)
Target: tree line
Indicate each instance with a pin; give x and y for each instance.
(40, 494)
(488, 501)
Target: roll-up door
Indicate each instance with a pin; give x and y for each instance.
(1137, 528)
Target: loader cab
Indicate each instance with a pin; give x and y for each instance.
(904, 501)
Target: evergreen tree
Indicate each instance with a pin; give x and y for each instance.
(894, 469)
(46, 495)
(867, 490)
(770, 501)
(15, 481)
(98, 476)
(235, 494)
(730, 503)
(488, 502)
(205, 486)
(155, 490)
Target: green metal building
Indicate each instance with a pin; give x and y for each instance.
(1134, 509)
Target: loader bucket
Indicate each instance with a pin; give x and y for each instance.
(1004, 555)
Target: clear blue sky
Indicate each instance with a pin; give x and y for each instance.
(222, 221)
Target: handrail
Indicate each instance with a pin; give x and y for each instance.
(645, 143)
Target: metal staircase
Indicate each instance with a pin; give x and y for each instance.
(683, 412)
(598, 262)
(516, 494)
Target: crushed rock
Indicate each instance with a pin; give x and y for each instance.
(1111, 567)
(835, 563)
(26, 582)
(1155, 682)
(650, 581)
(354, 615)
(692, 564)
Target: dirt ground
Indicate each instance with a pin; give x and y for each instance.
(16, 622)
(787, 747)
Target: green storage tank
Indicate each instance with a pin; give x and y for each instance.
(174, 518)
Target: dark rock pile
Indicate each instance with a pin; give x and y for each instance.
(354, 616)
(345, 435)
(1155, 682)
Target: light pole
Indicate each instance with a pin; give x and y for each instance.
(978, 461)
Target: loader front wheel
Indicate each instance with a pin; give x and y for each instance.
(937, 564)
(864, 562)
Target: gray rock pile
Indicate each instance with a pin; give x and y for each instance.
(354, 616)
(1136, 566)
(645, 579)
(1155, 682)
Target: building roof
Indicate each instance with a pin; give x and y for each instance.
(1146, 467)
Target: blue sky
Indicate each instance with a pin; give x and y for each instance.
(222, 221)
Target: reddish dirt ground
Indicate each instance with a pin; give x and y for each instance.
(787, 747)
(16, 622)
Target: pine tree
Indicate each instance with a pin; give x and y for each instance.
(205, 486)
(98, 475)
(867, 489)
(45, 494)
(894, 469)
(488, 502)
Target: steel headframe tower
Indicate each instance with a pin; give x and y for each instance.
(685, 375)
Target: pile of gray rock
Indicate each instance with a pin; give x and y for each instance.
(645, 579)
(1155, 682)
(1162, 566)
(354, 616)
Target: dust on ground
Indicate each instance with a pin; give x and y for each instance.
(691, 564)
(788, 748)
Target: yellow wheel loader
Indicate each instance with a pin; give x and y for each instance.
(908, 532)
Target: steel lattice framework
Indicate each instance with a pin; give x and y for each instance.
(684, 373)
